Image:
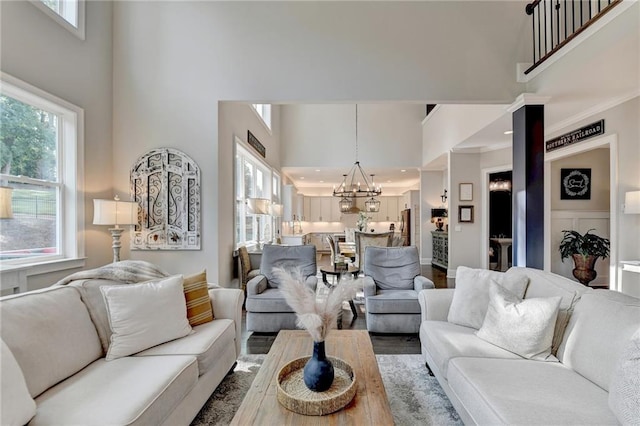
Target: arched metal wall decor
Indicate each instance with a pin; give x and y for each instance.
(165, 183)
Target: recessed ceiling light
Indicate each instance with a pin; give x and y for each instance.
(317, 170)
(388, 181)
(321, 181)
(508, 132)
(301, 177)
(403, 170)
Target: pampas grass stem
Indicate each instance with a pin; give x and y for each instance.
(318, 317)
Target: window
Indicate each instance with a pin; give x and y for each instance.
(68, 13)
(264, 111)
(41, 204)
(253, 179)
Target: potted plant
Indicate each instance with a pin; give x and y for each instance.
(585, 250)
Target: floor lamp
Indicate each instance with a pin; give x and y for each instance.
(115, 212)
(258, 206)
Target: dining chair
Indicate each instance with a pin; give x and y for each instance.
(370, 239)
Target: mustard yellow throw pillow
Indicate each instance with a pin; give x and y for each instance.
(196, 294)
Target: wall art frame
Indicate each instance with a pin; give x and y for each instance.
(465, 214)
(575, 184)
(465, 192)
(165, 182)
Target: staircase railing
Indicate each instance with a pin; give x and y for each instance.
(556, 22)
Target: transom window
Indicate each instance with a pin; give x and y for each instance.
(68, 13)
(40, 213)
(264, 111)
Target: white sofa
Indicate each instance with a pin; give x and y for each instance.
(489, 385)
(54, 334)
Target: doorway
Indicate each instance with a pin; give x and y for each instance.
(500, 221)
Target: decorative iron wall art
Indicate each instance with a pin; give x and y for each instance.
(165, 183)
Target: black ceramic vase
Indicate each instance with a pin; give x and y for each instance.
(318, 371)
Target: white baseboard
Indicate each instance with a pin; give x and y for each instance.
(425, 261)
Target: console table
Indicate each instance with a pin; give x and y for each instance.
(440, 255)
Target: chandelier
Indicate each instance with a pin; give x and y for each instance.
(355, 184)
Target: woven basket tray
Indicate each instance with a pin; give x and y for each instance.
(294, 395)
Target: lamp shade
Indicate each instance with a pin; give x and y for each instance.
(115, 212)
(276, 210)
(258, 206)
(6, 212)
(632, 202)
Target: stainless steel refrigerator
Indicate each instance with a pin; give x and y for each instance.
(405, 226)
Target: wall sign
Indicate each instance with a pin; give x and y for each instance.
(165, 183)
(586, 132)
(575, 184)
(255, 143)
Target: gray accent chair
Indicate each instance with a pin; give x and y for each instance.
(267, 310)
(392, 282)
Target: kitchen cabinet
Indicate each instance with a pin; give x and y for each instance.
(335, 214)
(305, 208)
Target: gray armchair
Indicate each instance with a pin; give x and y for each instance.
(267, 310)
(392, 282)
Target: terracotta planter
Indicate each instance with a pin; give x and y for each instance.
(583, 270)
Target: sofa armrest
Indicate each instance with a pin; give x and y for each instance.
(369, 286)
(422, 283)
(435, 303)
(227, 304)
(256, 285)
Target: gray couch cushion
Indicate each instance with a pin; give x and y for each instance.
(392, 268)
(393, 302)
(519, 392)
(50, 334)
(270, 300)
(602, 324)
(207, 343)
(445, 341)
(126, 391)
(289, 258)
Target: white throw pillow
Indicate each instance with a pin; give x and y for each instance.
(524, 327)
(624, 398)
(471, 298)
(145, 315)
(17, 405)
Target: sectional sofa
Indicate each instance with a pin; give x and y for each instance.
(596, 345)
(56, 337)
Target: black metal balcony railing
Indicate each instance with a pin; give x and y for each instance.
(556, 22)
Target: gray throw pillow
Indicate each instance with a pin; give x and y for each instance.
(524, 327)
(471, 298)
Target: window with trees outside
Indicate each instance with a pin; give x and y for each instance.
(253, 179)
(41, 215)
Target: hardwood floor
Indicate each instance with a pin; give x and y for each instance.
(260, 343)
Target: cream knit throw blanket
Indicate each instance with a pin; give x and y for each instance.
(126, 271)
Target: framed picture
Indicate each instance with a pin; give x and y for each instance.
(575, 184)
(465, 214)
(466, 192)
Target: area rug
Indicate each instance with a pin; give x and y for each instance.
(415, 397)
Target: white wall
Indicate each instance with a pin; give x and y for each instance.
(465, 242)
(622, 120)
(39, 51)
(173, 62)
(389, 135)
